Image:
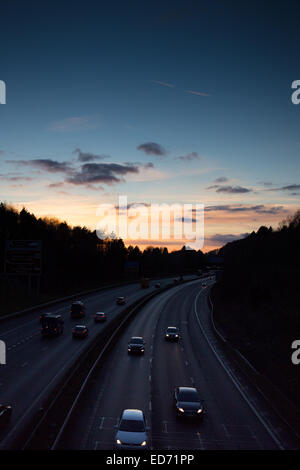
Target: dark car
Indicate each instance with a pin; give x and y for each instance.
(203, 284)
(120, 300)
(157, 285)
(52, 324)
(187, 402)
(172, 333)
(80, 331)
(136, 345)
(77, 309)
(44, 315)
(5, 412)
(99, 317)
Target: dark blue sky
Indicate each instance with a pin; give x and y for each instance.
(211, 79)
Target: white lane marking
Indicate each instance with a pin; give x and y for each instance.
(102, 421)
(96, 445)
(202, 447)
(234, 380)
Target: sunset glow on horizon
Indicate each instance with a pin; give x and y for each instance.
(196, 118)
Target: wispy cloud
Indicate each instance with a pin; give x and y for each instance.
(198, 93)
(76, 123)
(265, 183)
(222, 239)
(13, 178)
(94, 173)
(158, 82)
(221, 179)
(152, 148)
(260, 209)
(189, 157)
(45, 164)
(88, 157)
(290, 187)
(229, 189)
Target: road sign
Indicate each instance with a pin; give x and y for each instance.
(23, 257)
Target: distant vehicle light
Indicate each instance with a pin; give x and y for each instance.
(200, 410)
(181, 410)
(144, 443)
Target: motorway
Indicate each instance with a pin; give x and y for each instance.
(35, 364)
(236, 415)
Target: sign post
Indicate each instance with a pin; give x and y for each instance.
(23, 258)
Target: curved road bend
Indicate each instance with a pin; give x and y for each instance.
(34, 364)
(236, 416)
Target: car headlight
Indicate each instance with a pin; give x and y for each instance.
(143, 443)
(129, 349)
(142, 350)
(176, 336)
(181, 410)
(119, 442)
(200, 410)
(167, 336)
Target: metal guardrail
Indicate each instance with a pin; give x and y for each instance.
(278, 401)
(37, 434)
(62, 299)
(78, 294)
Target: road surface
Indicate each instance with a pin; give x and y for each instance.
(236, 415)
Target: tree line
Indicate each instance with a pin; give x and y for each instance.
(257, 300)
(74, 257)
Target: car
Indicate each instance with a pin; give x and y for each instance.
(136, 345)
(132, 431)
(5, 412)
(157, 285)
(52, 324)
(77, 309)
(203, 284)
(99, 317)
(44, 315)
(187, 402)
(172, 333)
(80, 331)
(120, 300)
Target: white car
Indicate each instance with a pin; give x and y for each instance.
(132, 431)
